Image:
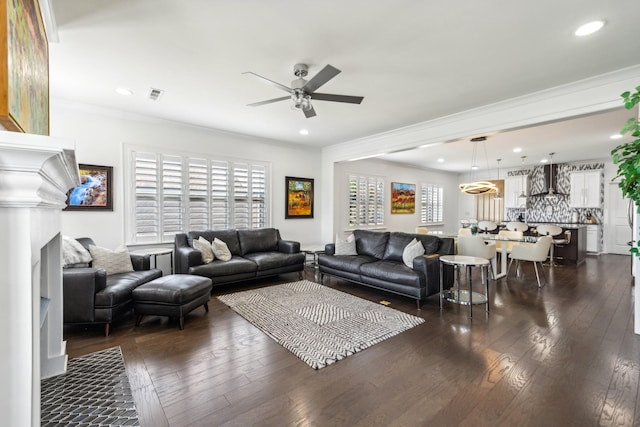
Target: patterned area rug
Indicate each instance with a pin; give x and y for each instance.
(318, 324)
(95, 391)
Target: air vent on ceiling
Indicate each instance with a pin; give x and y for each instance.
(155, 94)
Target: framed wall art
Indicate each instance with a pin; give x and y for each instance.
(24, 63)
(299, 197)
(95, 190)
(403, 198)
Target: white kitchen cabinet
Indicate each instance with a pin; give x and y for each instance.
(513, 187)
(593, 238)
(585, 189)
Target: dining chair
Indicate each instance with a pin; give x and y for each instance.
(487, 226)
(534, 252)
(517, 226)
(421, 229)
(551, 230)
(475, 246)
(508, 234)
(464, 232)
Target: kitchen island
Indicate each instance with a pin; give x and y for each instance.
(576, 250)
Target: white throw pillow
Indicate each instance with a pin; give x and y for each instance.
(117, 261)
(221, 250)
(345, 247)
(412, 250)
(205, 249)
(73, 253)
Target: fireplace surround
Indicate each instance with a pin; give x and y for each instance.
(35, 173)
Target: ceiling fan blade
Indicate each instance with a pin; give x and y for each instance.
(309, 113)
(337, 98)
(268, 101)
(326, 74)
(271, 82)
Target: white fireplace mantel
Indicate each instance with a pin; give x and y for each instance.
(35, 173)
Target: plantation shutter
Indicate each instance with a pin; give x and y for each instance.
(146, 195)
(366, 201)
(174, 194)
(432, 206)
(171, 197)
(198, 190)
(219, 195)
(258, 196)
(241, 196)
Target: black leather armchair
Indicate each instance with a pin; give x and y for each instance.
(92, 296)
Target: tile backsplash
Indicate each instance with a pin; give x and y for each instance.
(541, 209)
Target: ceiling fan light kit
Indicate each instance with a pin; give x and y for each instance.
(303, 91)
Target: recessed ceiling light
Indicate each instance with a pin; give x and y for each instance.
(517, 150)
(544, 161)
(440, 160)
(589, 28)
(615, 136)
(124, 91)
(304, 132)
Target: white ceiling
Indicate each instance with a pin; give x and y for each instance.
(411, 60)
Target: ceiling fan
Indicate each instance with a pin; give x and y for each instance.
(303, 91)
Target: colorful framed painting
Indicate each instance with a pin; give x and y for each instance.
(24, 68)
(299, 197)
(403, 198)
(95, 190)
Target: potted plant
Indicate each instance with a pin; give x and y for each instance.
(627, 155)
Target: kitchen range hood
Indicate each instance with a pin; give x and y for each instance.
(542, 181)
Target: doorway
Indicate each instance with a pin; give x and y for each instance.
(618, 228)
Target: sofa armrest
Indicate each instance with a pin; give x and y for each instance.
(141, 262)
(79, 287)
(288, 246)
(429, 265)
(185, 255)
(330, 249)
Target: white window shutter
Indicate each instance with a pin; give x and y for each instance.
(146, 195)
(198, 191)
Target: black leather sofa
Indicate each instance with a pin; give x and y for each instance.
(91, 296)
(255, 253)
(379, 264)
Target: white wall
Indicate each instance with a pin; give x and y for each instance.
(395, 172)
(591, 95)
(100, 134)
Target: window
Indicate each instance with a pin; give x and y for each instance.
(431, 204)
(173, 194)
(366, 201)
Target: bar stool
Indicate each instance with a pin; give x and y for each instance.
(551, 230)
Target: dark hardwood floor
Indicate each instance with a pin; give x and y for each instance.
(563, 355)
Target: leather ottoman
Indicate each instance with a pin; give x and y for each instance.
(175, 296)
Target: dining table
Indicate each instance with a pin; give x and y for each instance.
(488, 237)
(491, 237)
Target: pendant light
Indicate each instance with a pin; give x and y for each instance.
(498, 196)
(523, 194)
(550, 194)
(478, 187)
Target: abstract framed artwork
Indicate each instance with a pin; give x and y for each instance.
(95, 190)
(403, 198)
(24, 73)
(299, 197)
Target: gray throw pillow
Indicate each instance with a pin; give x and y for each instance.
(114, 262)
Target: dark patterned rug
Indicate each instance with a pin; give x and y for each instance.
(318, 324)
(95, 391)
